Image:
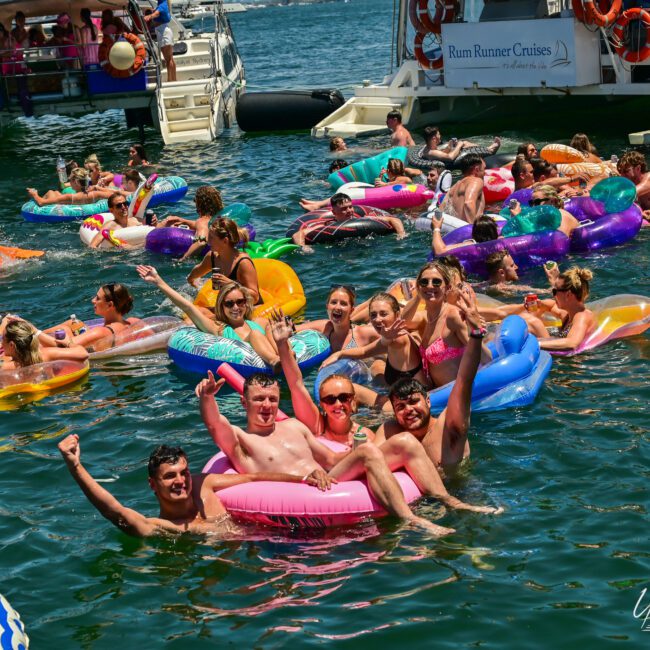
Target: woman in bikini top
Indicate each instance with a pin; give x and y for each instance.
(225, 260)
(400, 348)
(112, 302)
(337, 327)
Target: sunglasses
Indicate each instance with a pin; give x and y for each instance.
(229, 304)
(430, 282)
(120, 206)
(535, 202)
(347, 287)
(330, 400)
(555, 291)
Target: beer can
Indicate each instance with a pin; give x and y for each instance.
(359, 438)
(530, 301)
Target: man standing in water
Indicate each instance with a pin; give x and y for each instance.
(632, 166)
(465, 199)
(400, 136)
(188, 502)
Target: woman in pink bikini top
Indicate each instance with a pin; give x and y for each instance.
(443, 333)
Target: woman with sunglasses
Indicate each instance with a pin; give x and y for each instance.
(338, 327)
(24, 345)
(336, 393)
(570, 291)
(233, 313)
(442, 330)
(112, 303)
(227, 262)
(547, 195)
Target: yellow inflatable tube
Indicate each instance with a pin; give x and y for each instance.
(41, 377)
(279, 288)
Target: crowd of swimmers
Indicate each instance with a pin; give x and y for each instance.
(432, 334)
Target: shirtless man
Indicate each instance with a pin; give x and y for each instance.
(632, 165)
(188, 503)
(501, 269)
(465, 199)
(452, 149)
(118, 206)
(342, 210)
(289, 445)
(400, 136)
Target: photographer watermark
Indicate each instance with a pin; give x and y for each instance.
(642, 611)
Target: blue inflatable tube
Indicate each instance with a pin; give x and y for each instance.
(513, 377)
(365, 171)
(196, 351)
(167, 189)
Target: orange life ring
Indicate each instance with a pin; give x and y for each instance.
(602, 18)
(445, 10)
(105, 48)
(421, 57)
(618, 37)
(579, 10)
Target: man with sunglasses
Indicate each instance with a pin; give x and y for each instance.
(444, 438)
(118, 206)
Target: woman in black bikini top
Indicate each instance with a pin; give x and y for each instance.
(225, 260)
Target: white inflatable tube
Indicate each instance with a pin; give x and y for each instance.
(134, 236)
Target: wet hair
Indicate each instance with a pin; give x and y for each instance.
(430, 132)
(484, 229)
(443, 269)
(494, 261)
(632, 159)
(395, 166)
(223, 295)
(24, 338)
(208, 200)
(468, 162)
(347, 290)
(522, 149)
(259, 379)
(405, 387)
(339, 199)
(541, 168)
(394, 115)
(519, 166)
(333, 141)
(80, 175)
(132, 175)
(581, 142)
(228, 229)
(112, 198)
(119, 295)
(549, 192)
(331, 378)
(337, 164)
(139, 149)
(382, 296)
(452, 262)
(577, 280)
(164, 454)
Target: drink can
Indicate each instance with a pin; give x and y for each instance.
(148, 217)
(406, 289)
(530, 301)
(359, 438)
(59, 335)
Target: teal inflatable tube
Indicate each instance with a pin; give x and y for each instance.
(167, 189)
(513, 377)
(365, 171)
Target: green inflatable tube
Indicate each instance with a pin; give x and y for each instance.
(530, 220)
(270, 248)
(365, 171)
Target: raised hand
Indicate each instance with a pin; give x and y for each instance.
(208, 387)
(397, 329)
(281, 326)
(553, 273)
(436, 222)
(469, 310)
(70, 450)
(148, 273)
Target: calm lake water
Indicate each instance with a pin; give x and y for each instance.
(563, 567)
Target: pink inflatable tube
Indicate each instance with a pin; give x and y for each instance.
(390, 196)
(297, 505)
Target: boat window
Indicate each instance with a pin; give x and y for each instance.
(228, 59)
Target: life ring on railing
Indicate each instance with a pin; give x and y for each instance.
(596, 14)
(445, 11)
(421, 56)
(618, 36)
(104, 51)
